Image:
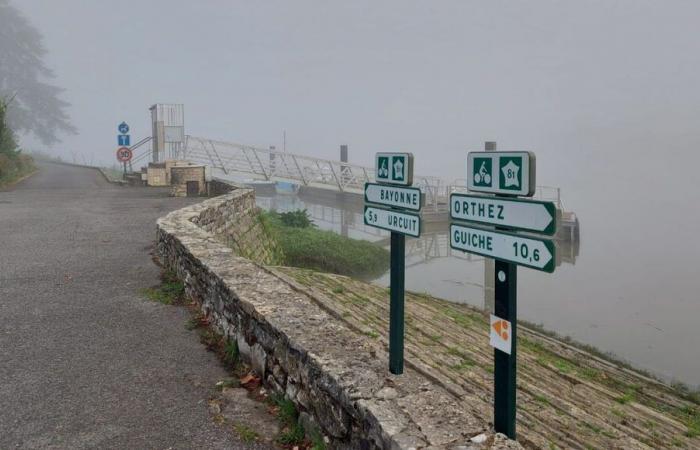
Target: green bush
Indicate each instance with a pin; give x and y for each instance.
(13, 164)
(297, 219)
(325, 251)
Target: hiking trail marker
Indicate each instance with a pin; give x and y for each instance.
(506, 174)
(394, 175)
(500, 337)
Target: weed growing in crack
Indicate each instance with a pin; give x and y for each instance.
(246, 433)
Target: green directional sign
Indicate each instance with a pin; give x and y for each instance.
(395, 221)
(394, 196)
(518, 214)
(509, 247)
(394, 168)
(509, 173)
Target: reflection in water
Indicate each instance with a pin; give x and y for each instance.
(590, 302)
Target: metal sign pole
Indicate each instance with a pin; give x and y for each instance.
(396, 308)
(506, 278)
(505, 307)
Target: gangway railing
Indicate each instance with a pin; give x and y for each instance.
(272, 165)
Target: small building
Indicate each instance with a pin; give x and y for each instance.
(156, 174)
(188, 181)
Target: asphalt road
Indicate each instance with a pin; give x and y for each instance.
(85, 360)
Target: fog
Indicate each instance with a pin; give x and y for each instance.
(605, 93)
(572, 81)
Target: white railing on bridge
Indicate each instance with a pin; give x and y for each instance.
(272, 165)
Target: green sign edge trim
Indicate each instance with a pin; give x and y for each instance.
(549, 243)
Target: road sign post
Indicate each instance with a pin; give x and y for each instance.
(394, 175)
(505, 174)
(124, 153)
(396, 305)
(504, 363)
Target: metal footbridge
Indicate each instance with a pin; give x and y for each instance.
(256, 163)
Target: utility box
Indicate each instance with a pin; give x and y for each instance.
(188, 181)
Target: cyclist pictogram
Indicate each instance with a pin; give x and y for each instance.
(482, 171)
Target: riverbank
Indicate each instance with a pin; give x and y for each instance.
(567, 397)
(302, 244)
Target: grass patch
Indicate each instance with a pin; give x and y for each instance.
(338, 290)
(619, 413)
(231, 353)
(292, 436)
(460, 319)
(171, 291)
(435, 337)
(317, 442)
(373, 334)
(628, 396)
(690, 415)
(287, 414)
(325, 251)
(246, 433)
(463, 364)
(541, 399)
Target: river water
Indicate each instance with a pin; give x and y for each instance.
(625, 288)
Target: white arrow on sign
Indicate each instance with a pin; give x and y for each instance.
(534, 253)
(399, 222)
(402, 197)
(528, 215)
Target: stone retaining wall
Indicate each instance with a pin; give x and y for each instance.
(234, 220)
(337, 378)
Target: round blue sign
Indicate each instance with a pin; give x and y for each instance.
(123, 128)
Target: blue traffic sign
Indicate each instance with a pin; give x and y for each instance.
(123, 128)
(124, 140)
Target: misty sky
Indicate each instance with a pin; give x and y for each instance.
(568, 80)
